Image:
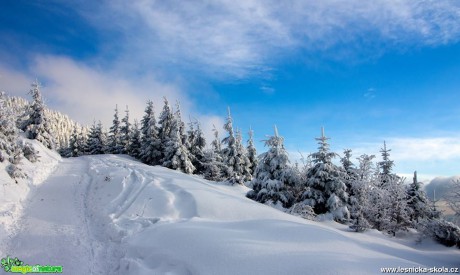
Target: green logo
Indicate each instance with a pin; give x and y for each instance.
(17, 266)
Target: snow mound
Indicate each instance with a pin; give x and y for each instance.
(111, 214)
(170, 223)
(13, 195)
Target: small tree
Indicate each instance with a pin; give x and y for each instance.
(213, 161)
(273, 178)
(115, 145)
(150, 142)
(418, 203)
(74, 148)
(326, 191)
(125, 132)
(197, 143)
(176, 154)
(37, 126)
(252, 152)
(359, 190)
(234, 156)
(166, 122)
(96, 142)
(135, 144)
(453, 198)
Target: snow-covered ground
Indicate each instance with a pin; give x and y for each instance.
(113, 215)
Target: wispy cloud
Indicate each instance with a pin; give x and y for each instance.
(430, 156)
(86, 93)
(241, 38)
(370, 94)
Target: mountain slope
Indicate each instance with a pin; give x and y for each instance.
(113, 215)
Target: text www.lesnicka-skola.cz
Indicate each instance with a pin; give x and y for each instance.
(420, 269)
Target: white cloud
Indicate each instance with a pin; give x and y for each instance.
(86, 93)
(430, 156)
(14, 83)
(427, 149)
(240, 38)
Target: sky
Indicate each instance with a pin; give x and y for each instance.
(366, 71)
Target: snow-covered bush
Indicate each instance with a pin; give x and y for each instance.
(15, 172)
(29, 152)
(302, 210)
(442, 231)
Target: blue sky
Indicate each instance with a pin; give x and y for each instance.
(367, 71)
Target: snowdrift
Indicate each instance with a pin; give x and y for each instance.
(115, 215)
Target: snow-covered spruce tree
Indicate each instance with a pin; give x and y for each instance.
(115, 145)
(419, 205)
(326, 191)
(135, 144)
(83, 141)
(453, 199)
(213, 161)
(398, 218)
(8, 130)
(166, 121)
(74, 147)
(386, 167)
(350, 170)
(389, 198)
(197, 143)
(150, 143)
(176, 155)
(125, 132)
(252, 152)
(37, 126)
(359, 194)
(272, 176)
(235, 165)
(245, 166)
(96, 142)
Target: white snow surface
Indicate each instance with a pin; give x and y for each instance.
(111, 214)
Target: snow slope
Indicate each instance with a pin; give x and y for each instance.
(13, 195)
(113, 215)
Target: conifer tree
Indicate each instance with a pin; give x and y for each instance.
(96, 142)
(395, 200)
(176, 155)
(8, 130)
(150, 142)
(386, 167)
(125, 132)
(115, 145)
(83, 141)
(326, 191)
(197, 143)
(272, 177)
(213, 161)
(135, 143)
(252, 153)
(359, 194)
(350, 174)
(37, 126)
(233, 156)
(242, 155)
(418, 203)
(166, 121)
(73, 150)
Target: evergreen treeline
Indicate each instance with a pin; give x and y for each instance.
(17, 115)
(363, 194)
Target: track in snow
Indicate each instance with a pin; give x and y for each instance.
(53, 229)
